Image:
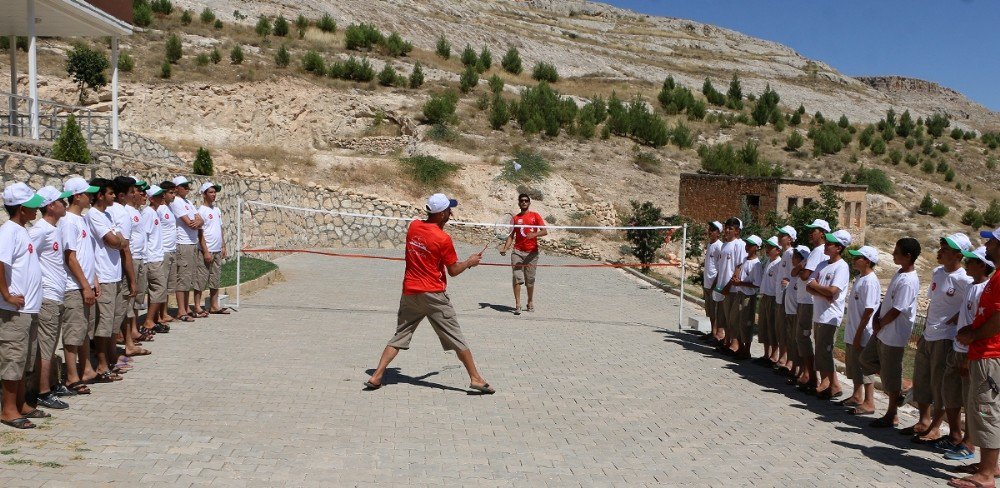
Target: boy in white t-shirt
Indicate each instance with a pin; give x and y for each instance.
(949, 283)
(156, 278)
(709, 272)
(768, 321)
(168, 224)
(786, 304)
(829, 291)
(213, 250)
(189, 224)
(748, 282)
(814, 264)
(82, 285)
(892, 327)
(20, 301)
(863, 301)
(731, 257)
(110, 241)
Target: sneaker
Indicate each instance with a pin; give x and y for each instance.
(161, 329)
(960, 453)
(49, 400)
(945, 444)
(61, 390)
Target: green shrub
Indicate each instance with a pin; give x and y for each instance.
(545, 72)
(779, 122)
(828, 139)
(174, 49)
(647, 162)
(301, 22)
(991, 216)
(70, 146)
(469, 57)
(942, 167)
(949, 175)
(906, 126)
(734, 97)
(927, 167)
(944, 147)
(142, 14)
(281, 26)
(443, 48)
(125, 62)
(926, 204)
(796, 119)
(969, 135)
(440, 108)
(239, 16)
(910, 143)
(533, 167)
(202, 59)
(327, 24)
(928, 148)
(282, 57)
(353, 70)
(642, 125)
(991, 163)
(876, 179)
(165, 70)
(878, 146)
(936, 125)
(388, 76)
(207, 16)
(203, 163)
(428, 170)
(895, 156)
(362, 37)
(162, 7)
(766, 108)
(215, 56)
(972, 218)
(499, 115)
(746, 161)
(681, 136)
(715, 97)
(186, 17)
(485, 59)
(939, 209)
(263, 27)
(794, 141)
(218, 24)
(416, 76)
(87, 68)
(496, 84)
(957, 134)
(396, 46)
(469, 79)
(586, 125)
(236, 54)
(511, 61)
(911, 159)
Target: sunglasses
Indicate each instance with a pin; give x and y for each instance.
(524, 200)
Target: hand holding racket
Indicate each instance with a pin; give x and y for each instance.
(502, 229)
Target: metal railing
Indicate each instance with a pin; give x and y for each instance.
(15, 119)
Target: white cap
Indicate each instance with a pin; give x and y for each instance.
(958, 241)
(180, 180)
(772, 241)
(739, 222)
(438, 202)
(208, 184)
(995, 234)
(756, 241)
(77, 185)
(21, 194)
(789, 231)
(803, 251)
(841, 237)
(50, 194)
(717, 225)
(980, 254)
(867, 252)
(820, 224)
(153, 190)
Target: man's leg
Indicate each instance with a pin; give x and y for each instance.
(922, 394)
(531, 297)
(470, 365)
(388, 354)
(15, 343)
(940, 350)
(984, 431)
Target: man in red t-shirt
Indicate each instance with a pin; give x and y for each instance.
(983, 403)
(524, 259)
(429, 253)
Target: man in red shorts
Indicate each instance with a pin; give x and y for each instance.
(429, 252)
(524, 259)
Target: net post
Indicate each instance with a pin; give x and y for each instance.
(239, 245)
(680, 308)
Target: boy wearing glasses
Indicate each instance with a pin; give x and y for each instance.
(524, 258)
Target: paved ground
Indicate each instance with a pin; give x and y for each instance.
(596, 388)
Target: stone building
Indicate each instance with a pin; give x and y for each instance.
(706, 197)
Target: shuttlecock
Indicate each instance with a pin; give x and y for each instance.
(517, 167)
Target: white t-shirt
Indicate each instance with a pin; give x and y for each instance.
(153, 232)
(120, 218)
(212, 229)
(108, 259)
(831, 312)
(733, 254)
(787, 293)
(22, 271)
(137, 237)
(753, 272)
(817, 259)
(77, 237)
(867, 293)
(168, 227)
(947, 294)
(900, 295)
(181, 208)
(968, 312)
(45, 237)
(711, 270)
(770, 284)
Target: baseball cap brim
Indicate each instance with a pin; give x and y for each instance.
(35, 201)
(854, 252)
(952, 244)
(832, 238)
(810, 226)
(970, 254)
(987, 234)
(157, 193)
(92, 189)
(66, 194)
(780, 230)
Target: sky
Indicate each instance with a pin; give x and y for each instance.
(955, 43)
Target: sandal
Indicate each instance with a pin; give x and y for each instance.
(105, 377)
(161, 328)
(882, 423)
(36, 414)
(80, 387)
(485, 388)
(19, 423)
(848, 402)
(142, 352)
(966, 483)
(186, 318)
(857, 410)
(225, 311)
(369, 386)
(201, 314)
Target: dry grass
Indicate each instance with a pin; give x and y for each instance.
(275, 155)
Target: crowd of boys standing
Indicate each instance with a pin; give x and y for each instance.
(94, 271)
(804, 294)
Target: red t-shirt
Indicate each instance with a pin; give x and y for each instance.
(989, 305)
(522, 243)
(429, 251)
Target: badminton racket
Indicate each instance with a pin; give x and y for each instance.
(502, 229)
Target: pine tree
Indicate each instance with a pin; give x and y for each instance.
(70, 146)
(280, 26)
(498, 113)
(485, 59)
(282, 58)
(203, 163)
(174, 49)
(443, 48)
(416, 76)
(734, 97)
(511, 62)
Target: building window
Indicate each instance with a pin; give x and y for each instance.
(845, 219)
(792, 203)
(857, 214)
(806, 201)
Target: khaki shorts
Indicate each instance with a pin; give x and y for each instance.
(803, 341)
(156, 281)
(983, 407)
(779, 324)
(209, 275)
(825, 334)
(710, 305)
(107, 305)
(928, 371)
(15, 344)
(76, 319)
(748, 308)
(49, 323)
(791, 337)
(524, 265)
(955, 388)
(170, 270)
(139, 302)
(766, 333)
(439, 312)
(728, 314)
(186, 266)
(853, 369)
(885, 360)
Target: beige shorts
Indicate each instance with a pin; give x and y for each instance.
(170, 270)
(983, 407)
(766, 333)
(779, 324)
(710, 305)
(803, 341)
(49, 323)
(76, 319)
(156, 281)
(955, 387)
(439, 312)
(852, 362)
(186, 265)
(524, 265)
(728, 314)
(15, 344)
(928, 371)
(139, 302)
(825, 334)
(885, 360)
(748, 308)
(106, 316)
(209, 275)
(791, 336)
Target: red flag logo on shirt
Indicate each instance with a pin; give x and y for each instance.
(950, 292)
(135, 219)
(31, 248)
(156, 221)
(933, 286)
(55, 246)
(166, 216)
(84, 234)
(210, 216)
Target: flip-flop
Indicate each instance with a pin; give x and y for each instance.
(369, 386)
(19, 423)
(80, 387)
(36, 414)
(882, 423)
(142, 352)
(967, 483)
(105, 377)
(848, 402)
(970, 469)
(920, 440)
(857, 411)
(485, 389)
(225, 311)
(907, 431)
(201, 314)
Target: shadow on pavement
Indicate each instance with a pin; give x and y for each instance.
(498, 308)
(394, 376)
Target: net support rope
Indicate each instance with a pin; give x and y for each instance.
(240, 203)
